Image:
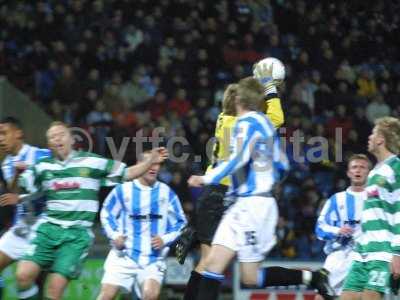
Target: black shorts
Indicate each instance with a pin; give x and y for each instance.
(209, 212)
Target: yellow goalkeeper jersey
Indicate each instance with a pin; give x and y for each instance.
(223, 130)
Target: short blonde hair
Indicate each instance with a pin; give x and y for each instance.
(58, 123)
(251, 94)
(389, 128)
(228, 103)
(360, 156)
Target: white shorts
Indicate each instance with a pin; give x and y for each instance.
(126, 273)
(13, 245)
(248, 228)
(338, 264)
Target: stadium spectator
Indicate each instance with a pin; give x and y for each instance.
(377, 108)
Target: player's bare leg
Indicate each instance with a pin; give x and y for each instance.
(248, 273)
(108, 292)
(151, 289)
(371, 295)
(27, 272)
(204, 252)
(348, 295)
(218, 259)
(57, 284)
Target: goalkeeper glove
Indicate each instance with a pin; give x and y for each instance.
(270, 72)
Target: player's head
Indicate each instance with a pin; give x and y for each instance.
(228, 103)
(11, 135)
(385, 136)
(150, 176)
(250, 95)
(59, 139)
(358, 168)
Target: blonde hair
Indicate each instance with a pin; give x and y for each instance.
(361, 157)
(389, 128)
(58, 123)
(251, 94)
(228, 103)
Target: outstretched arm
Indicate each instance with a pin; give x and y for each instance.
(158, 155)
(244, 139)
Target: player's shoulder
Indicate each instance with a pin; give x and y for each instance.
(45, 159)
(85, 154)
(225, 120)
(166, 189)
(162, 185)
(394, 164)
(42, 153)
(256, 120)
(389, 171)
(337, 196)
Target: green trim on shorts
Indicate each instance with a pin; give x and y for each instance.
(372, 275)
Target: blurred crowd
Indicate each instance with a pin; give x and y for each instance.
(119, 67)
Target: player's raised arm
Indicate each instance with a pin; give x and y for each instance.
(245, 137)
(158, 155)
(270, 72)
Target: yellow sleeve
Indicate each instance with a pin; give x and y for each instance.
(223, 130)
(274, 112)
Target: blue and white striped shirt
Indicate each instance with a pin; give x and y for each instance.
(29, 155)
(251, 163)
(343, 208)
(141, 212)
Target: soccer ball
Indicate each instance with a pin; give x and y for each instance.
(269, 68)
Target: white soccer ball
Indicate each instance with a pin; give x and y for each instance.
(269, 68)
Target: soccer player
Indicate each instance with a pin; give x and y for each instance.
(377, 252)
(211, 206)
(15, 242)
(339, 223)
(248, 227)
(141, 218)
(70, 180)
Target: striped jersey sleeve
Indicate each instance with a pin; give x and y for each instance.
(326, 228)
(244, 137)
(29, 180)
(176, 219)
(115, 172)
(113, 207)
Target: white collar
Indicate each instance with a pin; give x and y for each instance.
(350, 191)
(145, 187)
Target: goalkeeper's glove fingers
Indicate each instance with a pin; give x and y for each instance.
(263, 74)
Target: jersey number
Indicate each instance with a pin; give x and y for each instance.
(377, 278)
(250, 238)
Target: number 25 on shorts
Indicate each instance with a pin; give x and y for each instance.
(377, 278)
